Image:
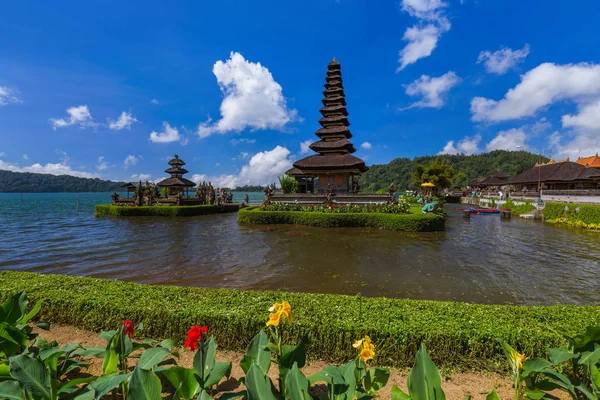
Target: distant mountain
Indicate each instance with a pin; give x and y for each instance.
(27, 182)
(399, 171)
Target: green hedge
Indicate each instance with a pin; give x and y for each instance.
(109, 210)
(587, 217)
(458, 335)
(399, 222)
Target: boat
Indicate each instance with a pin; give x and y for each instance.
(473, 210)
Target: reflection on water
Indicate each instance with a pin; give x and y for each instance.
(483, 259)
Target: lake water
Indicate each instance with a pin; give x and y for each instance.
(483, 259)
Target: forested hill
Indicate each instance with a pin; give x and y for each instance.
(399, 171)
(26, 182)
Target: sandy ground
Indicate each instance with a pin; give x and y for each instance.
(456, 386)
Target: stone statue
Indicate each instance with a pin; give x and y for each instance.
(211, 193)
(328, 196)
(246, 199)
(355, 185)
(149, 194)
(392, 193)
(138, 195)
(268, 193)
(115, 197)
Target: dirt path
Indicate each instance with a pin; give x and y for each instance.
(457, 386)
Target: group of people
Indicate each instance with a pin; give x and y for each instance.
(207, 194)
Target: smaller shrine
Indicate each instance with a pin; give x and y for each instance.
(176, 183)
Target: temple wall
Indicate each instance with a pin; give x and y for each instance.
(338, 183)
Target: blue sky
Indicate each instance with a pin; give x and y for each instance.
(112, 89)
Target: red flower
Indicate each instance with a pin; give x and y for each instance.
(128, 328)
(194, 335)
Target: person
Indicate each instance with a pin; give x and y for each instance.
(500, 194)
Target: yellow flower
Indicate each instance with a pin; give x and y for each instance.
(365, 347)
(518, 360)
(278, 311)
(273, 319)
(366, 354)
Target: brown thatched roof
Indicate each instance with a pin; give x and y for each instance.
(294, 172)
(176, 170)
(334, 131)
(556, 172)
(341, 144)
(331, 161)
(176, 182)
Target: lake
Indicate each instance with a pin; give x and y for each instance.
(483, 259)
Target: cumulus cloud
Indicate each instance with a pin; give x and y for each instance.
(154, 101)
(168, 135)
(124, 122)
(544, 85)
(432, 90)
(366, 145)
(511, 140)
(575, 144)
(422, 38)
(263, 168)
(468, 145)
(304, 146)
(141, 177)
(8, 96)
(252, 99)
(500, 61)
(242, 140)
(131, 160)
(25, 156)
(101, 165)
(588, 117)
(80, 116)
(61, 168)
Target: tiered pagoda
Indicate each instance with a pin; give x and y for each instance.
(176, 183)
(334, 165)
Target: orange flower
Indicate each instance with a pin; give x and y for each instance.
(279, 311)
(365, 348)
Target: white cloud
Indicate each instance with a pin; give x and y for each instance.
(25, 156)
(423, 38)
(500, 61)
(125, 121)
(141, 177)
(2, 154)
(468, 145)
(512, 140)
(577, 144)
(61, 168)
(154, 101)
(262, 169)
(304, 146)
(131, 160)
(253, 99)
(8, 96)
(102, 165)
(242, 140)
(366, 145)
(542, 86)
(244, 155)
(588, 117)
(168, 135)
(77, 116)
(431, 89)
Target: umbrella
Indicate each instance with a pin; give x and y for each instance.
(427, 184)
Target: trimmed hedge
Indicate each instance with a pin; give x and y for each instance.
(458, 335)
(398, 222)
(110, 210)
(587, 217)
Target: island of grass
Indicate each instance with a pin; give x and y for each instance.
(411, 220)
(111, 210)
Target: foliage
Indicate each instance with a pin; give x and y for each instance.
(518, 209)
(437, 172)
(288, 184)
(27, 182)
(401, 207)
(461, 335)
(249, 188)
(110, 210)
(400, 170)
(581, 215)
(400, 222)
(424, 381)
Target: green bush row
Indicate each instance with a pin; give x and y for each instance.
(109, 210)
(518, 209)
(398, 222)
(586, 216)
(458, 335)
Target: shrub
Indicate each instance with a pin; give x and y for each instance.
(109, 210)
(400, 207)
(459, 335)
(585, 216)
(518, 209)
(399, 222)
(288, 184)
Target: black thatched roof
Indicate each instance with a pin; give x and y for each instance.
(331, 161)
(176, 182)
(556, 172)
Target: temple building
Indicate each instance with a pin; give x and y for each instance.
(333, 168)
(176, 183)
(590, 162)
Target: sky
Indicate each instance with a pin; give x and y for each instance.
(114, 89)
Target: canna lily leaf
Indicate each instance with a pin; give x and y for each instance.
(168, 344)
(258, 353)
(586, 340)
(376, 379)
(219, 371)
(559, 356)
(204, 360)
(398, 394)
(493, 395)
(14, 308)
(110, 361)
(535, 365)
(329, 374)
(204, 396)
(105, 384)
(424, 381)
(258, 384)
(36, 309)
(296, 354)
(31, 373)
(151, 357)
(144, 385)
(296, 385)
(183, 380)
(11, 390)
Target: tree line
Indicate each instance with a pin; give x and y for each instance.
(28, 182)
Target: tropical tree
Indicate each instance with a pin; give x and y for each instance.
(438, 173)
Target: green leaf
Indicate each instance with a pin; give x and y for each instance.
(168, 344)
(296, 385)
(36, 309)
(595, 377)
(328, 374)
(398, 394)
(204, 360)
(107, 335)
(493, 395)
(11, 390)
(219, 371)
(107, 383)
(376, 379)
(348, 372)
(535, 394)
(32, 374)
(152, 356)
(296, 354)
(534, 366)
(559, 356)
(234, 395)
(183, 380)
(257, 353)
(424, 381)
(65, 386)
(110, 361)
(586, 340)
(12, 335)
(258, 384)
(91, 352)
(43, 325)
(589, 358)
(14, 308)
(144, 385)
(204, 396)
